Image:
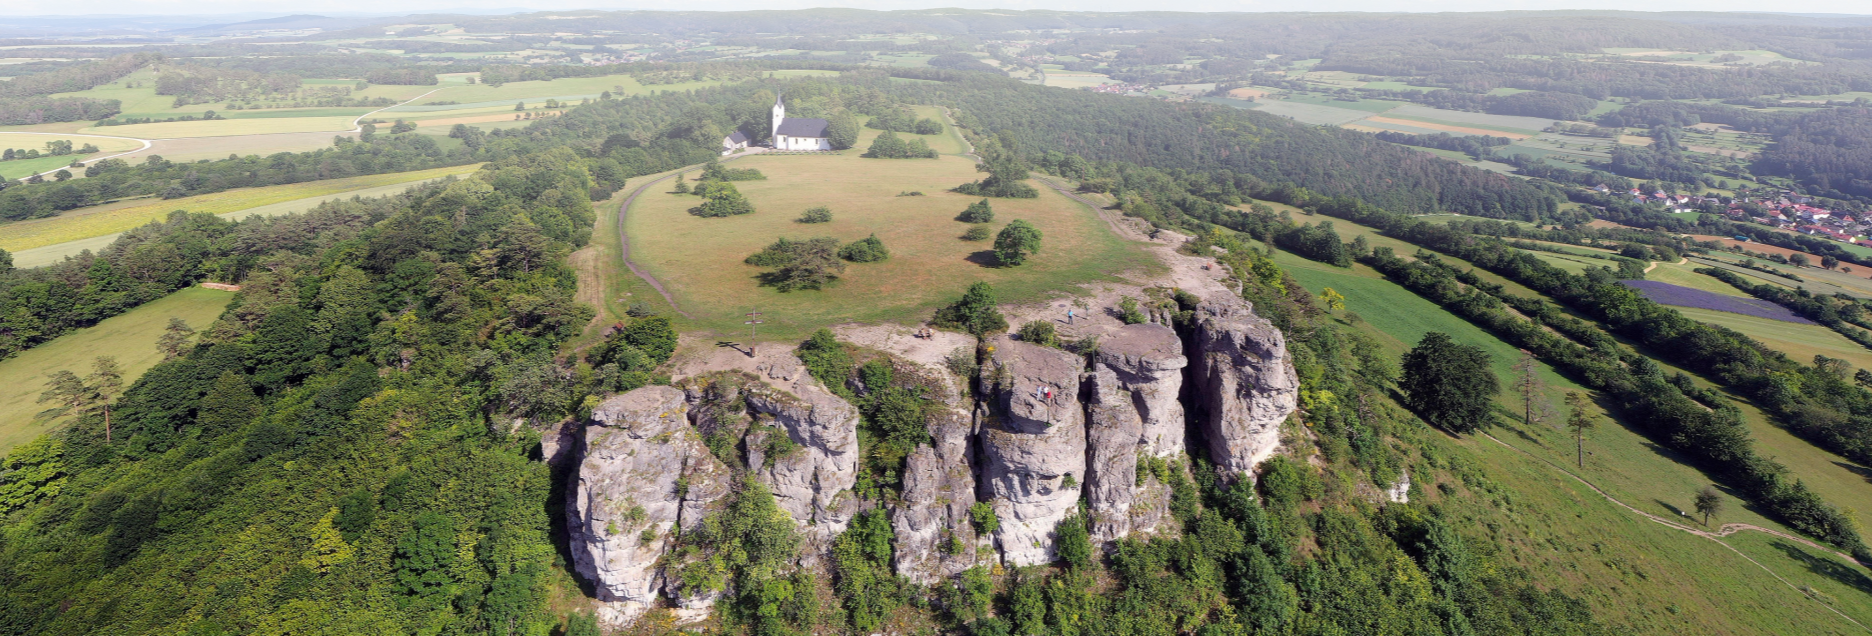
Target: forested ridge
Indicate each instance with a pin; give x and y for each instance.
(353, 448)
(1207, 137)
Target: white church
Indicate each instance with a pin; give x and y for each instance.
(789, 133)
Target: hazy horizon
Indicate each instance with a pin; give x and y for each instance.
(209, 8)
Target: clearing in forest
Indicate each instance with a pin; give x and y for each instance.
(699, 260)
(131, 337)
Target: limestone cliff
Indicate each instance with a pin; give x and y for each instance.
(1244, 380)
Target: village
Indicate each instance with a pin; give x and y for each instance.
(1784, 210)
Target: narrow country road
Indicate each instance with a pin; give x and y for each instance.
(624, 251)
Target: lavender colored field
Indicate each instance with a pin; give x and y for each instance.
(1668, 294)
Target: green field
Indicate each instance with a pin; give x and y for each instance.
(225, 127)
(699, 259)
(107, 219)
(1312, 113)
(1800, 342)
(131, 337)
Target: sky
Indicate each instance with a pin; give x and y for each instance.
(379, 7)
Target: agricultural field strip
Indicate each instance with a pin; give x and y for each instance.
(145, 144)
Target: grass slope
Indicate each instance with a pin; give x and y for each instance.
(1632, 570)
(131, 337)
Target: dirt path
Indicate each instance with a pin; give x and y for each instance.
(1726, 529)
(1654, 264)
(624, 251)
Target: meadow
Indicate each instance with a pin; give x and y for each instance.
(111, 218)
(131, 337)
(1635, 566)
(226, 127)
(700, 259)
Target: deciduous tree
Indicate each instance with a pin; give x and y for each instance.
(1449, 384)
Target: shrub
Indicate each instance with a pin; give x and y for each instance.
(722, 199)
(889, 146)
(977, 233)
(715, 172)
(865, 250)
(983, 517)
(1016, 242)
(1039, 332)
(978, 212)
(911, 193)
(819, 214)
(826, 360)
(975, 312)
(1129, 312)
(808, 264)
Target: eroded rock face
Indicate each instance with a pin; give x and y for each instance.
(1147, 362)
(1033, 437)
(812, 481)
(1244, 380)
(1113, 431)
(934, 537)
(625, 500)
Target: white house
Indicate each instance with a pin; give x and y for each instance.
(733, 142)
(794, 133)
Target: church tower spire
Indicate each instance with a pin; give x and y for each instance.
(779, 115)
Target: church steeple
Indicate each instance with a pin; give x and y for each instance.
(779, 115)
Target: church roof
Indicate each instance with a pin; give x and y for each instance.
(797, 127)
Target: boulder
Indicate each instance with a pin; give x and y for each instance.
(625, 502)
(1033, 439)
(1242, 376)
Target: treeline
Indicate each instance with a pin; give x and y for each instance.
(116, 178)
(402, 76)
(1476, 146)
(1205, 137)
(76, 78)
(1544, 104)
(193, 84)
(1819, 403)
(39, 110)
(337, 452)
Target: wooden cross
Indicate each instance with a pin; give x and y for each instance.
(753, 322)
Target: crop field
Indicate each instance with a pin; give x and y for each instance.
(193, 148)
(1800, 341)
(1367, 105)
(1066, 79)
(1685, 276)
(225, 127)
(1312, 113)
(699, 259)
(1512, 123)
(131, 337)
(81, 224)
(1690, 297)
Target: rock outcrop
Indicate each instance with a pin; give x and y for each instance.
(626, 501)
(1033, 444)
(812, 480)
(1244, 380)
(1147, 362)
(934, 537)
(1113, 431)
